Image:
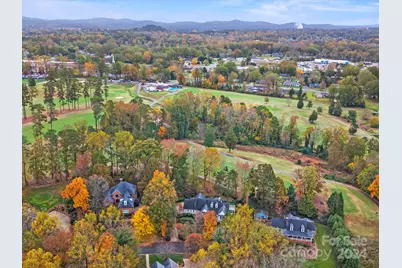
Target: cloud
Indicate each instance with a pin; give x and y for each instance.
(291, 8)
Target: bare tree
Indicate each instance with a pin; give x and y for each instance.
(97, 188)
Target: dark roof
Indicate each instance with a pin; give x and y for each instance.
(127, 201)
(169, 263)
(200, 202)
(157, 265)
(123, 187)
(286, 222)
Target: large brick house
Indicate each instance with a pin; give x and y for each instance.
(300, 230)
(202, 204)
(123, 196)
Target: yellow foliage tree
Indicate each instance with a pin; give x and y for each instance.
(38, 258)
(210, 223)
(44, 225)
(197, 257)
(142, 224)
(78, 192)
(110, 217)
(211, 160)
(194, 61)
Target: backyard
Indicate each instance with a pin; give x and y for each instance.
(44, 197)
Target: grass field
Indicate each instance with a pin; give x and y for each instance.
(361, 214)
(178, 258)
(25, 80)
(44, 197)
(117, 92)
(67, 119)
(326, 257)
(282, 106)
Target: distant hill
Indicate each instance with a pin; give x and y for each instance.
(183, 26)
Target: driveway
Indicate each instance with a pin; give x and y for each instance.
(164, 248)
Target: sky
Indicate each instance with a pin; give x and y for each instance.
(338, 12)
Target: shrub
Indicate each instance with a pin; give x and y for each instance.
(374, 122)
(299, 162)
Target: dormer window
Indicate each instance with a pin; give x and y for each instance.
(125, 202)
(212, 204)
(291, 227)
(216, 205)
(302, 228)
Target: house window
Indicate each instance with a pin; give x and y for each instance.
(216, 205)
(291, 227)
(125, 202)
(212, 204)
(302, 228)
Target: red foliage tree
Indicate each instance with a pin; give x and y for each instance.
(194, 242)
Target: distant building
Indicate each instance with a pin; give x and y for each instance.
(291, 84)
(123, 196)
(300, 230)
(202, 204)
(326, 61)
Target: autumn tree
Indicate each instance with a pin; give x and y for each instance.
(84, 240)
(211, 160)
(374, 187)
(193, 243)
(210, 223)
(142, 224)
(44, 224)
(110, 217)
(160, 196)
(38, 258)
(121, 145)
(78, 192)
(58, 244)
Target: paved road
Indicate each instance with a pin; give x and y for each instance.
(164, 247)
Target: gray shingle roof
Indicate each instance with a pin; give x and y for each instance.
(169, 263)
(285, 225)
(127, 201)
(200, 202)
(157, 265)
(122, 187)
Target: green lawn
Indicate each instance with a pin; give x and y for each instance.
(68, 119)
(44, 197)
(25, 80)
(117, 92)
(326, 257)
(178, 258)
(287, 107)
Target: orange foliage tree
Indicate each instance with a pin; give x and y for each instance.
(78, 192)
(210, 223)
(162, 131)
(147, 56)
(90, 68)
(374, 187)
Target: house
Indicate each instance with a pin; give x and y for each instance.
(202, 204)
(300, 230)
(123, 196)
(321, 95)
(315, 85)
(169, 263)
(291, 84)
